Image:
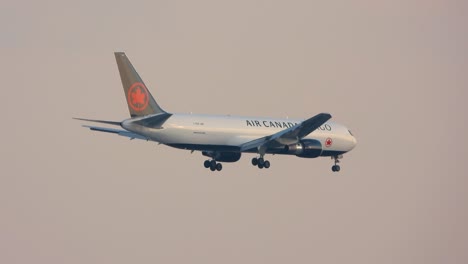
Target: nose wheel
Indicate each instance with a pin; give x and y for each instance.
(213, 165)
(260, 163)
(336, 167)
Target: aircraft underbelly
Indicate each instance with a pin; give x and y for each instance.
(186, 136)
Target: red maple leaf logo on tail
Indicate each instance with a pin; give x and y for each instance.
(137, 97)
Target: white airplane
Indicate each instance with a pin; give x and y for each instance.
(224, 138)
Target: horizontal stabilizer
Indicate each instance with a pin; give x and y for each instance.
(100, 121)
(119, 132)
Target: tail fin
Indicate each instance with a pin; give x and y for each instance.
(139, 100)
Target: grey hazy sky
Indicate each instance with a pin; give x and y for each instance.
(395, 72)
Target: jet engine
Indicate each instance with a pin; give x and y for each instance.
(307, 148)
(223, 156)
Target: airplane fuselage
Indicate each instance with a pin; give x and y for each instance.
(226, 133)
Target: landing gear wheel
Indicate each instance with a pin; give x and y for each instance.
(261, 162)
(219, 166)
(207, 164)
(336, 168)
(255, 161)
(213, 165)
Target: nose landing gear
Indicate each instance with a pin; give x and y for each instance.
(261, 163)
(213, 165)
(336, 167)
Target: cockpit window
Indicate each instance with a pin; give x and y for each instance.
(350, 133)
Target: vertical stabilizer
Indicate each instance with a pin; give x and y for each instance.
(139, 100)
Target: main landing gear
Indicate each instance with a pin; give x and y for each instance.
(261, 163)
(336, 167)
(213, 165)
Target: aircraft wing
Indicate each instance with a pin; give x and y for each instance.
(120, 132)
(288, 136)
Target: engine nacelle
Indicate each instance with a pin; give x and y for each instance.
(307, 148)
(223, 156)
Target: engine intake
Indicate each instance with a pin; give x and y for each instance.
(307, 148)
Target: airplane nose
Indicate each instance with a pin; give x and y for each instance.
(354, 141)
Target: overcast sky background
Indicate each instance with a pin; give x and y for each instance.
(394, 72)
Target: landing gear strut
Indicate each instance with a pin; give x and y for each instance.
(213, 165)
(261, 163)
(336, 167)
